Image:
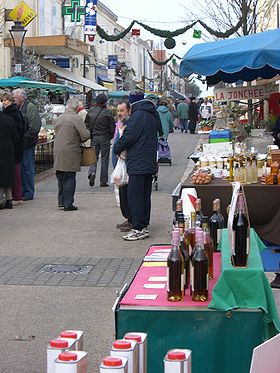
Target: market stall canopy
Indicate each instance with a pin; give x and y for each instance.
(69, 75)
(229, 60)
(23, 82)
(118, 94)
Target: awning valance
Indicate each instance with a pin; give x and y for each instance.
(68, 75)
(104, 78)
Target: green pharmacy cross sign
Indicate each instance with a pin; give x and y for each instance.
(70, 10)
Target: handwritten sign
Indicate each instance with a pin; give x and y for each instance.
(220, 149)
(242, 93)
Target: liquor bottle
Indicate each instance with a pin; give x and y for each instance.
(248, 171)
(199, 269)
(208, 246)
(178, 209)
(240, 235)
(191, 233)
(184, 250)
(215, 224)
(230, 162)
(175, 271)
(220, 215)
(199, 214)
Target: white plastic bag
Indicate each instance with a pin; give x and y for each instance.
(119, 176)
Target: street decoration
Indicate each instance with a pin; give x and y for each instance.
(169, 43)
(161, 63)
(22, 12)
(75, 10)
(197, 34)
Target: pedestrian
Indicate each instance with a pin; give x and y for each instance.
(193, 114)
(165, 118)
(140, 140)
(123, 109)
(70, 131)
(32, 128)
(8, 138)
(206, 109)
(101, 124)
(12, 110)
(183, 114)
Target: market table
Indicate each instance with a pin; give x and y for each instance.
(221, 338)
(263, 204)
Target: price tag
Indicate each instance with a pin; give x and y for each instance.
(158, 278)
(146, 296)
(154, 286)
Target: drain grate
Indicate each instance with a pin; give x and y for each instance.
(67, 269)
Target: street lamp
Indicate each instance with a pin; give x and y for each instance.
(17, 32)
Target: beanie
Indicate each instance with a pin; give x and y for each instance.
(135, 96)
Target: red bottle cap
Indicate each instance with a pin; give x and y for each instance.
(58, 343)
(67, 356)
(111, 361)
(122, 344)
(176, 355)
(133, 337)
(66, 334)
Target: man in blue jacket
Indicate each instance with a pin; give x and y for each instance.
(140, 140)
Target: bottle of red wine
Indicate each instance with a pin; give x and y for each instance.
(175, 271)
(208, 246)
(199, 269)
(240, 235)
(220, 215)
(216, 224)
(184, 247)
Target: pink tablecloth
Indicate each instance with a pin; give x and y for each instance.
(143, 275)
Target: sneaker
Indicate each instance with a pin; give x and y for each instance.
(91, 180)
(134, 235)
(71, 208)
(145, 231)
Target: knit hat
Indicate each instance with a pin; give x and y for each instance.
(101, 99)
(135, 96)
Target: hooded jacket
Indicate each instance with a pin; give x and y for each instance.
(140, 139)
(166, 120)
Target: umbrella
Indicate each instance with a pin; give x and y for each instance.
(23, 82)
(229, 60)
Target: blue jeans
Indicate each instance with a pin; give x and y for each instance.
(184, 125)
(28, 173)
(66, 187)
(102, 145)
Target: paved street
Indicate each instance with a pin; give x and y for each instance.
(39, 298)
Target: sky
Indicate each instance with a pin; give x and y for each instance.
(162, 14)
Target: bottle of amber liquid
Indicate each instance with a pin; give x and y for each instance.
(216, 225)
(175, 271)
(199, 269)
(184, 250)
(198, 212)
(240, 235)
(191, 233)
(208, 246)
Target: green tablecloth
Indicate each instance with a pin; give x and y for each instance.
(245, 287)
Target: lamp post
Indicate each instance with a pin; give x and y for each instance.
(17, 32)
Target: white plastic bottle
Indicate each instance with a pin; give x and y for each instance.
(56, 347)
(71, 362)
(141, 339)
(128, 349)
(178, 361)
(77, 335)
(114, 364)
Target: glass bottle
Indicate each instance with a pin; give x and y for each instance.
(240, 235)
(191, 233)
(178, 209)
(254, 167)
(199, 269)
(175, 271)
(187, 255)
(215, 225)
(208, 246)
(248, 171)
(199, 214)
(183, 248)
(230, 161)
(220, 215)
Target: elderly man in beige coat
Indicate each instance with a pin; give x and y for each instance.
(70, 131)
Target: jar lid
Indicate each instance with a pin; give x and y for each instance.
(69, 334)
(176, 355)
(58, 343)
(111, 361)
(122, 344)
(67, 356)
(134, 337)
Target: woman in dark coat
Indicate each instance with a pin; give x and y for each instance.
(8, 137)
(12, 110)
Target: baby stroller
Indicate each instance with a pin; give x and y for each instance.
(164, 155)
(155, 179)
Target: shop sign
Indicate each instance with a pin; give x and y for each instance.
(242, 93)
(90, 17)
(112, 61)
(62, 62)
(22, 12)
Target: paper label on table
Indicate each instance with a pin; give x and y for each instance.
(158, 278)
(162, 250)
(154, 286)
(154, 264)
(146, 296)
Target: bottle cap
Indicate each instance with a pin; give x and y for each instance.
(58, 343)
(112, 361)
(67, 356)
(176, 355)
(133, 337)
(69, 334)
(122, 344)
